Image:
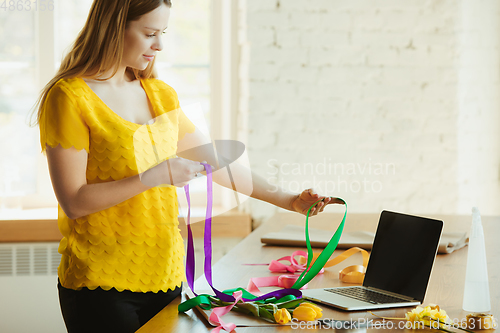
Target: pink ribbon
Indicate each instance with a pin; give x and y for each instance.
(277, 267)
(282, 281)
(218, 312)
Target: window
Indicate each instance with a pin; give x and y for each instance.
(32, 44)
(18, 164)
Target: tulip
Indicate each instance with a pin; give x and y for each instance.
(282, 316)
(317, 309)
(304, 313)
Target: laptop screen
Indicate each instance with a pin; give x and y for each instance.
(403, 253)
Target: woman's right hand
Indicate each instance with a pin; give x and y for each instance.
(176, 171)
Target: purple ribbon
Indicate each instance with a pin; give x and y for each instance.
(207, 241)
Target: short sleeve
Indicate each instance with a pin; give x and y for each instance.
(61, 121)
(185, 125)
(170, 102)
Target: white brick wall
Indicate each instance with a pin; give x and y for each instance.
(409, 84)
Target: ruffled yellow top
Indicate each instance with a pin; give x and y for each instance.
(135, 245)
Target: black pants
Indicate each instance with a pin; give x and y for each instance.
(94, 311)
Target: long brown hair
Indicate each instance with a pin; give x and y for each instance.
(99, 45)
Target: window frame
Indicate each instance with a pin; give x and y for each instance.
(224, 78)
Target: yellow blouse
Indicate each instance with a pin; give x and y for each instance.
(135, 245)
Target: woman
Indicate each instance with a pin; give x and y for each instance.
(122, 253)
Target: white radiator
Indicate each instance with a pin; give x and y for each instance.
(21, 259)
(28, 288)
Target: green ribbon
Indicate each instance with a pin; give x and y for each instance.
(310, 273)
(202, 300)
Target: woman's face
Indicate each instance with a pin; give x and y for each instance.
(143, 38)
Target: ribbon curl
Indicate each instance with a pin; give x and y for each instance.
(350, 274)
(295, 266)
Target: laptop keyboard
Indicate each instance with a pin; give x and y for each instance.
(366, 295)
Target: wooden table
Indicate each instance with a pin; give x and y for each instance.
(445, 287)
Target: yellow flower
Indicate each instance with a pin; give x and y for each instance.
(307, 312)
(282, 316)
(426, 312)
(304, 313)
(317, 309)
(414, 315)
(441, 316)
(434, 307)
(411, 316)
(427, 316)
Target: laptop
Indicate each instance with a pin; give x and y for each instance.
(399, 268)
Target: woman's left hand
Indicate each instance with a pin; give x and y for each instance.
(307, 198)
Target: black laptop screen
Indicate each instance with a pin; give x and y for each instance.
(403, 254)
